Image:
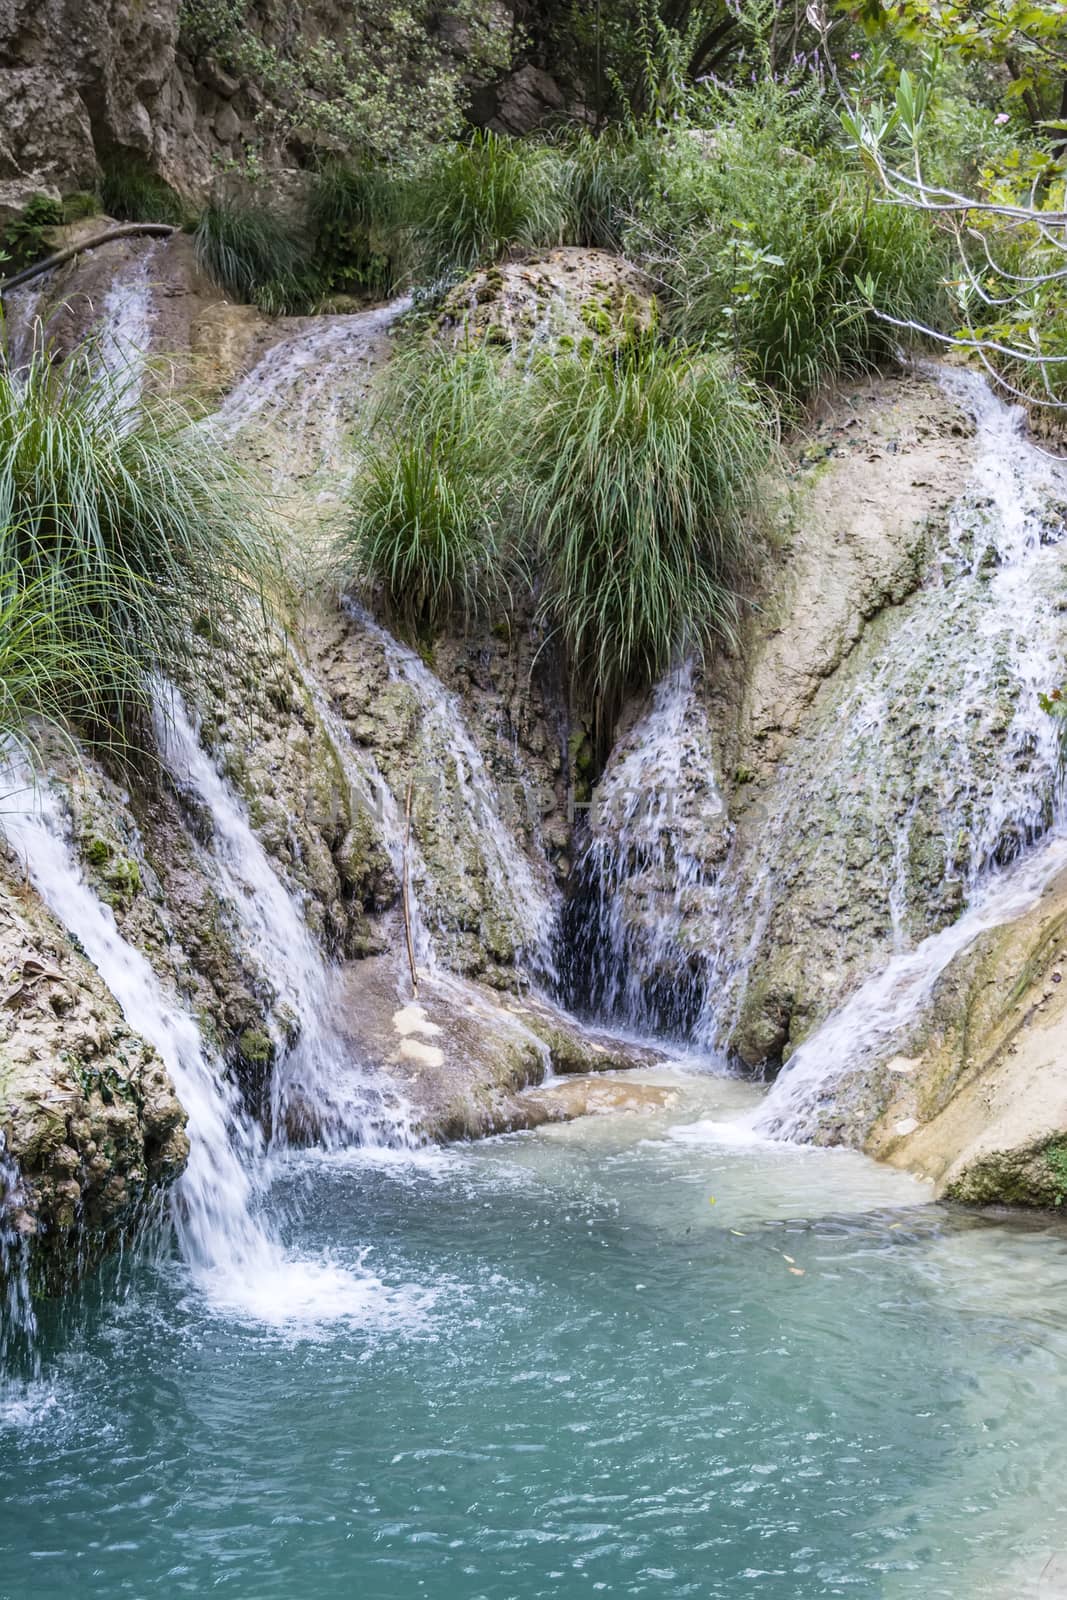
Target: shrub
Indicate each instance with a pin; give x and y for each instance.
(640, 465)
(429, 512)
(795, 295)
(24, 237)
(131, 192)
(254, 255)
(125, 527)
(472, 203)
(360, 240)
(767, 244)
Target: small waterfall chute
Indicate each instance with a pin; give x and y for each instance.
(318, 1089)
(646, 876)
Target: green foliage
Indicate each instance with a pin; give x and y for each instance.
(80, 204)
(254, 255)
(121, 529)
(473, 202)
(131, 192)
(1010, 266)
(770, 247)
(639, 465)
(1027, 37)
(24, 237)
(428, 530)
(613, 180)
(1056, 1161)
(384, 86)
(357, 213)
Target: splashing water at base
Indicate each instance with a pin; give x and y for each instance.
(630, 935)
(817, 1384)
(225, 1235)
(18, 1321)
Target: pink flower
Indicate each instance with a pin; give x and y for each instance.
(854, 56)
(1001, 118)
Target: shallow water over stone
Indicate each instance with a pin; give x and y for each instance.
(570, 1372)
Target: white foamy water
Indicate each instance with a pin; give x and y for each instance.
(226, 1238)
(316, 1081)
(124, 332)
(18, 1321)
(309, 387)
(1000, 533)
(22, 323)
(864, 1027)
(632, 947)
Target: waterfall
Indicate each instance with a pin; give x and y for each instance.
(124, 334)
(18, 1324)
(511, 877)
(214, 1215)
(371, 792)
(932, 740)
(998, 604)
(863, 1029)
(21, 321)
(316, 1085)
(631, 932)
(224, 1232)
(311, 385)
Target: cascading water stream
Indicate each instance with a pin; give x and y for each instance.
(18, 1321)
(317, 1086)
(124, 333)
(510, 874)
(214, 1214)
(999, 602)
(310, 385)
(677, 911)
(224, 1231)
(630, 934)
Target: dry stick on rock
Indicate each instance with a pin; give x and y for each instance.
(407, 892)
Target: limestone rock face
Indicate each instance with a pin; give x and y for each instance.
(87, 1109)
(471, 1061)
(778, 883)
(553, 299)
(979, 1102)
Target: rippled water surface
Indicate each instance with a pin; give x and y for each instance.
(622, 1357)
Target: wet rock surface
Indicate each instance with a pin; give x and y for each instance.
(87, 1109)
(979, 1102)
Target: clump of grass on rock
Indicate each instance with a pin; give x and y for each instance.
(639, 464)
(123, 529)
(473, 202)
(255, 255)
(428, 533)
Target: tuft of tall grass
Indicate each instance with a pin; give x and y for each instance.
(122, 529)
(471, 203)
(612, 179)
(640, 465)
(796, 297)
(428, 532)
(256, 256)
(131, 192)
